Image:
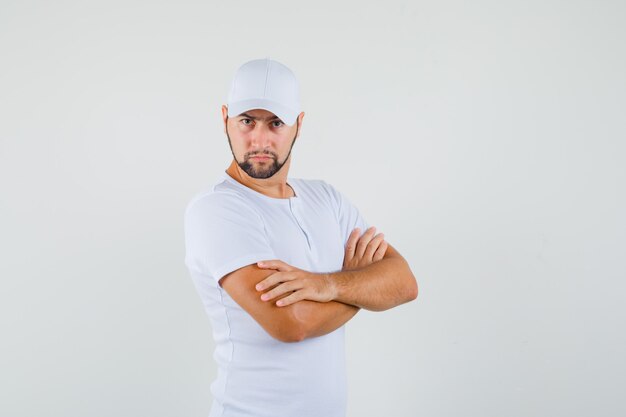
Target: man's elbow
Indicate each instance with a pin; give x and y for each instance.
(412, 293)
(291, 330)
(291, 336)
(411, 289)
(302, 321)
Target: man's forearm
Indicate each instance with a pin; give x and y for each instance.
(378, 286)
(317, 319)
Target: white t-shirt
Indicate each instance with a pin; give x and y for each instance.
(230, 226)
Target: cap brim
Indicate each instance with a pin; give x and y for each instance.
(286, 115)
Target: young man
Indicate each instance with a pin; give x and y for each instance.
(257, 238)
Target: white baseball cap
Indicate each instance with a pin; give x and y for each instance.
(265, 84)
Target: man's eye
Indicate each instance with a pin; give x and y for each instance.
(278, 121)
(244, 120)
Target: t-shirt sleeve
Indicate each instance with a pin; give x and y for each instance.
(348, 215)
(222, 234)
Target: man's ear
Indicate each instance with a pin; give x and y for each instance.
(300, 117)
(224, 115)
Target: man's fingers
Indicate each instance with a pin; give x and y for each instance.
(363, 241)
(351, 246)
(380, 252)
(275, 278)
(274, 264)
(290, 299)
(373, 245)
(283, 288)
(351, 243)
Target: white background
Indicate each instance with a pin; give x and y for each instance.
(486, 139)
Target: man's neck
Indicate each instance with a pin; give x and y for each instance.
(275, 186)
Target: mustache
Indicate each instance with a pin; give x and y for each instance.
(271, 155)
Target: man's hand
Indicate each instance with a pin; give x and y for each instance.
(303, 285)
(363, 251)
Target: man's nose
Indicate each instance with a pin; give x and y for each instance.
(260, 135)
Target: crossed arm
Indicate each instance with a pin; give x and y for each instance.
(318, 303)
(378, 286)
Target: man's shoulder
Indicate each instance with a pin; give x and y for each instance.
(314, 184)
(216, 198)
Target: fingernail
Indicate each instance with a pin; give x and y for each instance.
(261, 263)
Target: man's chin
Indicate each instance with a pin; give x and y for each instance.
(260, 174)
(257, 173)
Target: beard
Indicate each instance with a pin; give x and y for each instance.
(261, 170)
(264, 169)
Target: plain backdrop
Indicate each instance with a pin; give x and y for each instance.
(486, 139)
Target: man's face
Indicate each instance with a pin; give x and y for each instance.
(260, 142)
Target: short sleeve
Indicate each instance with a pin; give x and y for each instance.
(222, 234)
(348, 215)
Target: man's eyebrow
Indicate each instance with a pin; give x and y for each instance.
(258, 118)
